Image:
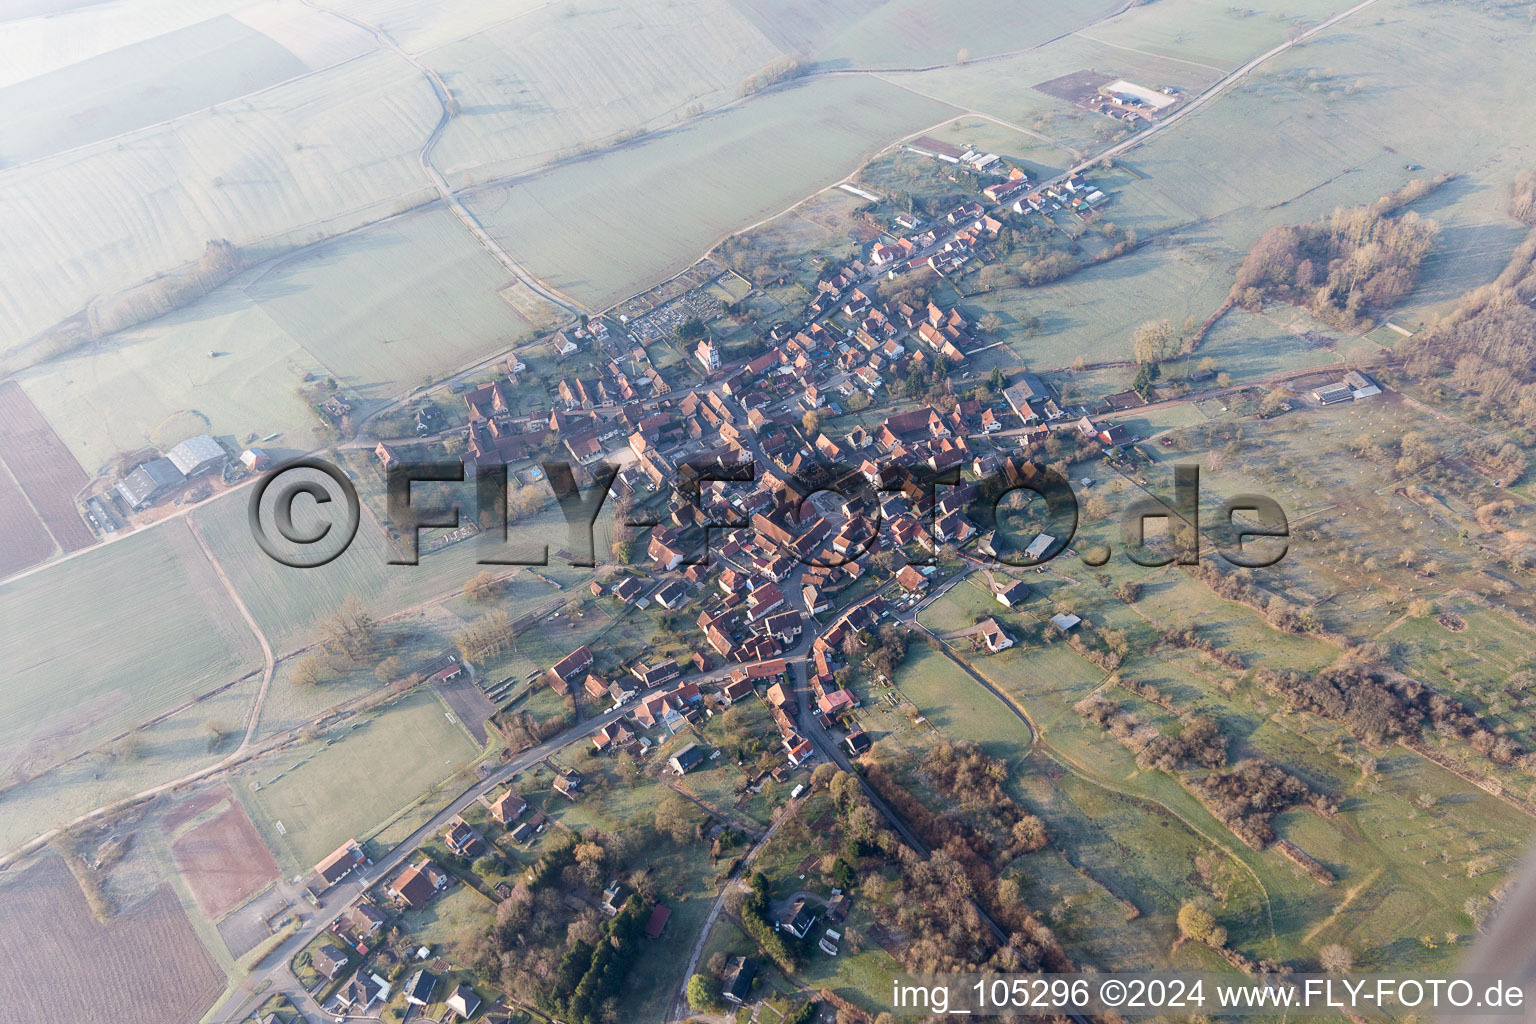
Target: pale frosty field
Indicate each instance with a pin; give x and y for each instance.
(113, 395)
(294, 163)
(385, 307)
(541, 87)
(604, 228)
(287, 602)
(37, 45)
(908, 33)
(125, 632)
(139, 85)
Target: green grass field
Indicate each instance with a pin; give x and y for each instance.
(377, 766)
(957, 705)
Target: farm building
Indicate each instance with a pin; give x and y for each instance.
(564, 671)
(1360, 385)
(255, 459)
(197, 455)
(660, 915)
(924, 146)
(148, 481)
(1332, 393)
(1065, 621)
(1039, 545)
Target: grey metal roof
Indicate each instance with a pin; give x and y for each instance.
(196, 453)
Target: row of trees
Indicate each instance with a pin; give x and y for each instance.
(1380, 706)
(349, 637)
(1247, 797)
(1197, 740)
(1487, 345)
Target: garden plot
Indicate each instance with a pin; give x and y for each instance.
(660, 203)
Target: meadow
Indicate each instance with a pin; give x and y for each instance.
(907, 33)
(358, 777)
(158, 753)
(1407, 848)
(657, 205)
(129, 631)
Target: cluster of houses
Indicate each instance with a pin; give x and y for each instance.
(356, 930)
(1074, 195)
(972, 225)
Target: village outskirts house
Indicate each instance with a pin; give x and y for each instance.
(418, 884)
(345, 859)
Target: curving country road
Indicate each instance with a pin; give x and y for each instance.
(424, 157)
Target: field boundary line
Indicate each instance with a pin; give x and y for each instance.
(269, 663)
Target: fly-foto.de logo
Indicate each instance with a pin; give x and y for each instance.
(306, 513)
